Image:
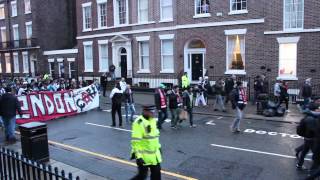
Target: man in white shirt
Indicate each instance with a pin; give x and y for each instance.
(123, 84)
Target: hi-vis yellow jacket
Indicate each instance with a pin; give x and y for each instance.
(185, 81)
(145, 141)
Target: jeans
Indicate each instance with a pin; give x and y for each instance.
(162, 115)
(236, 123)
(190, 116)
(174, 117)
(200, 98)
(303, 150)
(219, 101)
(9, 127)
(130, 110)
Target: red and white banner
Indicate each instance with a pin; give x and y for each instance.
(44, 106)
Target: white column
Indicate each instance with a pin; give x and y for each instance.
(129, 59)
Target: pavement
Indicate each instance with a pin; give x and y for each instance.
(293, 116)
(84, 175)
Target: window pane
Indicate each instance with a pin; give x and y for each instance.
(25, 63)
(103, 57)
(287, 60)
(122, 11)
(2, 16)
(236, 52)
(8, 63)
(88, 58)
(167, 62)
(103, 14)
(144, 56)
(167, 47)
(167, 12)
(16, 63)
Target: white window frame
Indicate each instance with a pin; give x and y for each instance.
(26, 11)
(87, 43)
(139, 13)
(25, 62)
(70, 60)
(284, 18)
(15, 38)
(99, 2)
(28, 24)
(162, 38)
(4, 14)
(116, 13)
(234, 32)
(143, 39)
(3, 38)
(288, 40)
(14, 10)
(8, 63)
(200, 15)
(16, 68)
(161, 12)
(50, 60)
(86, 5)
(234, 12)
(103, 42)
(60, 61)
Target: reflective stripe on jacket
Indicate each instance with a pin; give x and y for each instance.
(145, 141)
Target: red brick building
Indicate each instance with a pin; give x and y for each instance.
(29, 28)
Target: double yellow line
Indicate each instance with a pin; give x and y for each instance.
(114, 159)
(110, 158)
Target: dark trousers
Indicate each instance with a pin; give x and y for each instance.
(315, 168)
(116, 108)
(286, 101)
(143, 172)
(104, 89)
(303, 150)
(190, 116)
(162, 115)
(227, 96)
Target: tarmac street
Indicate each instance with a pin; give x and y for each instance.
(263, 150)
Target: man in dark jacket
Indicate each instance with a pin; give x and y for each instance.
(9, 105)
(306, 93)
(160, 100)
(188, 103)
(218, 89)
(103, 82)
(116, 98)
(174, 98)
(229, 87)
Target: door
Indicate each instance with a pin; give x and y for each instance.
(197, 66)
(123, 62)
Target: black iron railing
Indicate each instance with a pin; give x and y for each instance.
(22, 43)
(16, 167)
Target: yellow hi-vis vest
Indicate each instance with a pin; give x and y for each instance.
(145, 141)
(185, 81)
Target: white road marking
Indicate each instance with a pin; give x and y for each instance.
(211, 123)
(261, 132)
(256, 151)
(109, 127)
(219, 117)
(167, 120)
(107, 110)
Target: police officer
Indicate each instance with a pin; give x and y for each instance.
(146, 148)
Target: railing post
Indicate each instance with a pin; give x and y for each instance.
(18, 160)
(38, 170)
(1, 169)
(9, 164)
(50, 172)
(56, 173)
(63, 175)
(14, 165)
(70, 176)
